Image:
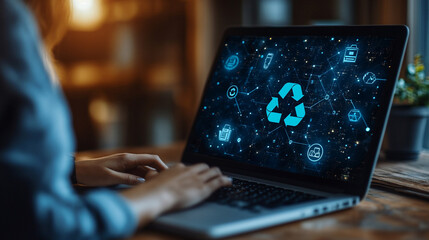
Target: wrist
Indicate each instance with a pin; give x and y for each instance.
(148, 204)
(84, 173)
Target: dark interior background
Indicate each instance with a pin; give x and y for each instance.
(133, 71)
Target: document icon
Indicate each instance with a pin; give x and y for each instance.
(225, 133)
(350, 55)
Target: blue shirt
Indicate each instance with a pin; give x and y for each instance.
(36, 143)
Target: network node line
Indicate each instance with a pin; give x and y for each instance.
(287, 134)
(275, 129)
(229, 154)
(316, 103)
(292, 141)
(245, 49)
(262, 103)
(239, 145)
(335, 55)
(229, 51)
(308, 84)
(296, 73)
(306, 139)
(326, 93)
(323, 87)
(248, 93)
(346, 99)
(300, 143)
(366, 125)
(269, 90)
(237, 105)
(330, 104)
(248, 75)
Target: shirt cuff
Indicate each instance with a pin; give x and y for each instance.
(73, 173)
(117, 218)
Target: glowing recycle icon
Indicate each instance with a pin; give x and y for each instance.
(290, 120)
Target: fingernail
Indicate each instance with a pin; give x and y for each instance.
(141, 180)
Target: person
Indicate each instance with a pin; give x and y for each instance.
(36, 144)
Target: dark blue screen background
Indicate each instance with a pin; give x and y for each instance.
(341, 97)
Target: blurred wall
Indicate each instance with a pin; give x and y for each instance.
(133, 71)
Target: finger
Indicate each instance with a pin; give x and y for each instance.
(197, 168)
(210, 174)
(144, 172)
(135, 160)
(218, 182)
(177, 165)
(125, 178)
(151, 174)
(140, 171)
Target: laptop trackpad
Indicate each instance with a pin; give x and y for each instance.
(204, 216)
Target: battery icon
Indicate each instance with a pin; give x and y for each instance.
(268, 60)
(350, 55)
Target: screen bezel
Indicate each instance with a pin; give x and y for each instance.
(359, 187)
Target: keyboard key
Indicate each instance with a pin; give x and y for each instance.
(257, 196)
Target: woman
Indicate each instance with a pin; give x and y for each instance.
(36, 142)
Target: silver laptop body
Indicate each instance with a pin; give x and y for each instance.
(338, 84)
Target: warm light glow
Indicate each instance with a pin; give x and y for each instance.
(102, 111)
(86, 14)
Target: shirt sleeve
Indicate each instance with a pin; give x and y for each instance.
(36, 141)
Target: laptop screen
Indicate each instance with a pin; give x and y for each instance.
(297, 104)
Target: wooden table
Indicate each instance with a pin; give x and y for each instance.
(382, 215)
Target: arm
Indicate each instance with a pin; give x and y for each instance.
(122, 168)
(38, 201)
(36, 141)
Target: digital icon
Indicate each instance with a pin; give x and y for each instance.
(350, 55)
(231, 62)
(225, 133)
(370, 78)
(315, 152)
(268, 60)
(232, 92)
(354, 115)
(290, 120)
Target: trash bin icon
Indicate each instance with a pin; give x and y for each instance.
(350, 55)
(225, 133)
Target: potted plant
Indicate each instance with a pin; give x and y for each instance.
(408, 117)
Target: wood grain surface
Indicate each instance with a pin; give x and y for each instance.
(382, 215)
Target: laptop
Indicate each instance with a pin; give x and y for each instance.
(295, 116)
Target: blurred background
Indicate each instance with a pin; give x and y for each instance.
(133, 70)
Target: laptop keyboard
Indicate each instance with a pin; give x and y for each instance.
(257, 196)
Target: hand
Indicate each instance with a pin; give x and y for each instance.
(122, 168)
(176, 188)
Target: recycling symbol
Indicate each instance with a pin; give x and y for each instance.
(290, 120)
